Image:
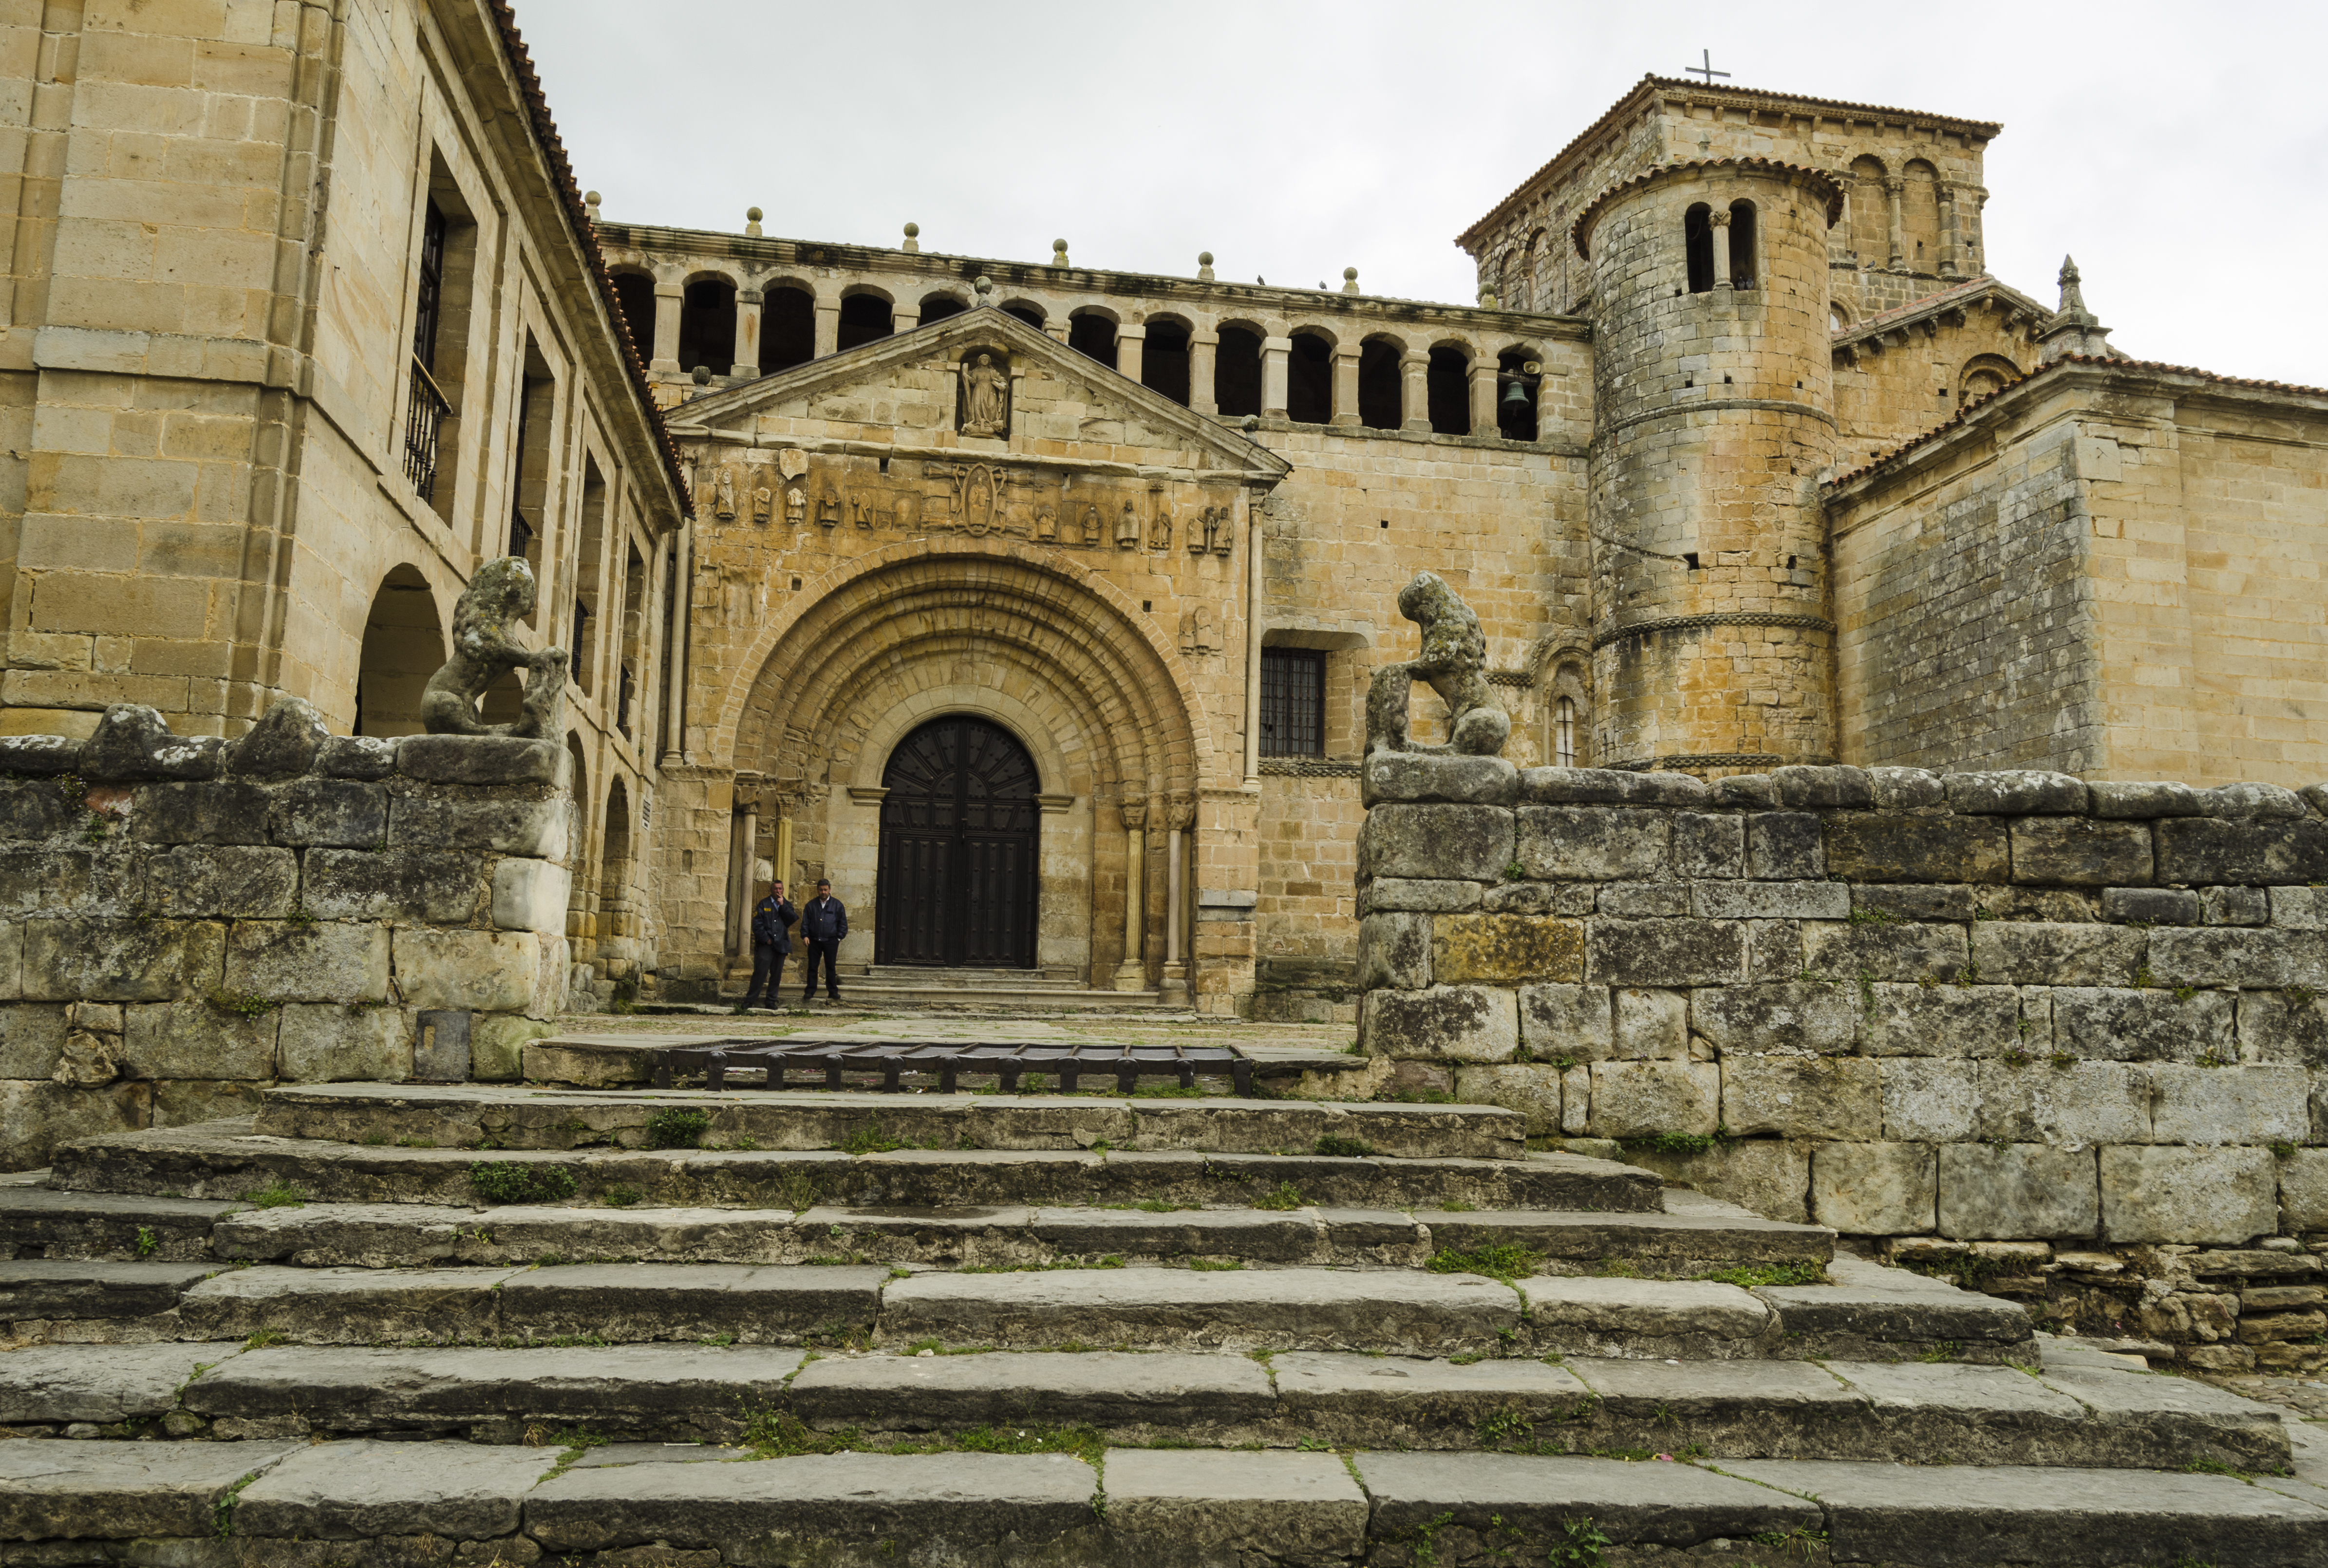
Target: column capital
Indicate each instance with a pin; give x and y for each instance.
(1717, 216)
(1134, 814)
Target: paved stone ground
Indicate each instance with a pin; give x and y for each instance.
(849, 1024)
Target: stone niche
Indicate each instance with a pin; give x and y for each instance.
(184, 920)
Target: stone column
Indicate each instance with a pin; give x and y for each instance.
(747, 334)
(1274, 352)
(666, 329)
(828, 325)
(1717, 229)
(1253, 589)
(682, 601)
(1949, 266)
(1415, 381)
(1202, 348)
(1896, 187)
(1483, 395)
(787, 803)
(1181, 816)
(1131, 344)
(1346, 385)
(1132, 974)
(904, 318)
(1975, 246)
(739, 869)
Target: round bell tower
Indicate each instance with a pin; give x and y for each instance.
(1712, 635)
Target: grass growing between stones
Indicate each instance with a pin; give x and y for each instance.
(677, 1128)
(1749, 1276)
(1506, 1262)
(1343, 1147)
(509, 1182)
(772, 1433)
(1055, 1265)
(280, 1194)
(1286, 1197)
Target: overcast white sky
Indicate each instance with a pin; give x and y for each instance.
(2180, 151)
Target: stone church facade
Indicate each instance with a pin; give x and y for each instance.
(1035, 604)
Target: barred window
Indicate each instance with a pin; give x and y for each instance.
(1563, 734)
(1293, 702)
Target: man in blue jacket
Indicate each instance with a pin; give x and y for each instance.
(823, 922)
(772, 939)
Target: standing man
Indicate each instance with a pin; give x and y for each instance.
(772, 939)
(823, 922)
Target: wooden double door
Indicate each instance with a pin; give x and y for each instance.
(959, 836)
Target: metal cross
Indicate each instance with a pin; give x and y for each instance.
(1705, 71)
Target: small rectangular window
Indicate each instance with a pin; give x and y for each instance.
(1293, 702)
(430, 304)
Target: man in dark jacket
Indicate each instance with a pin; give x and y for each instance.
(823, 922)
(772, 939)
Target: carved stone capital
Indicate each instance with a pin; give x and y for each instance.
(1181, 815)
(1717, 216)
(1134, 814)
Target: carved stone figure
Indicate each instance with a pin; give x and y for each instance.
(1091, 532)
(500, 596)
(1200, 538)
(985, 398)
(828, 508)
(795, 506)
(764, 502)
(1159, 527)
(1197, 632)
(1454, 663)
(1127, 531)
(1047, 522)
(725, 504)
(1224, 538)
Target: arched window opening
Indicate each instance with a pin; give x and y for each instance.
(1697, 242)
(1871, 212)
(938, 306)
(615, 921)
(635, 616)
(1836, 320)
(1919, 216)
(403, 644)
(1984, 374)
(787, 329)
(707, 326)
(589, 569)
(1448, 381)
(635, 291)
(864, 319)
(1564, 733)
(1093, 336)
(1236, 372)
(1030, 315)
(1164, 366)
(1380, 388)
(1515, 414)
(1741, 244)
(1309, 379)
(578, 891)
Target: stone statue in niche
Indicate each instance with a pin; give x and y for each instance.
(1200, 538)
(499, 597)
(1454, 663)
(764, 502)
(1047, 522)
(725, 505)
(828, 508)
(1159, 527)
(1092, 529)
(985, 398)
(796, 506)
(1224, 539)
(1127, 531)
(1197, 632)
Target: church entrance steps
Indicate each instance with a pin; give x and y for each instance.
(518, 1117)
(228, 1160)
(2078, 1410)
(1128, 1505)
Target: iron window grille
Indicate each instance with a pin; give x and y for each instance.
(1293, 702)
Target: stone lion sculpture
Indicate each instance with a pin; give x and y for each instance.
(500, 596)
(1454, 664)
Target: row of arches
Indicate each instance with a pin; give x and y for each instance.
(1733, 261)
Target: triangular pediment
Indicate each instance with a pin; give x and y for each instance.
(907, 383)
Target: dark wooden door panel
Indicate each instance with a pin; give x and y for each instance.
(959, 828)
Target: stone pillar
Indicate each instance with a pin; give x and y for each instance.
(828, 326)
(1976, 260)
(1345, 385)
(1131, 344)
(904, 318)
(1132, 974)
(1950, 266)
(1717, 228)
(1415, 382)
(1252, 588)
(1274, 352)
(682, 600)
(1895, 188)
(666, 329)
(1181, 816)
(747, 334)
(739, 870)
(786, 803)
(1483, 395)
(1202, 348)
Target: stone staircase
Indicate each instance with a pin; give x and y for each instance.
(1040, 1328)
(999, 992)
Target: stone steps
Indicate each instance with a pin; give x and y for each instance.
(515, 1117)
(1868, 1313)
(1124, 1506)
(2082, 1410)
(228, 1160)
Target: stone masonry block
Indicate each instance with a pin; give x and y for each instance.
(1708, 846)
(2257, 853)
(194, 1039)
(1412, 776)
(1789, 1096)
(2241, 956)
(328, 961)
(2303, 1190)
(2298, 908)
(1429, 895)
(37, 1116)
(2282, 1027)
(2075, 1106)
(2201, 1196)
(2151, 905)
(1930, 1099)
(1642, 900)
(2145, 800)
(283, 744)
(2081, 851)
(2235, 906)
(500, 822)
(1574, 899)
(2250, 798)
(1788, 1015)
(1530, 1088)
(122, 960)
(2016, 792)
(482, 971)
(1394, 952)
(533, 896)
(483, 759)
(230, 812)
(1642, 1099)
(1589, 786)
(356, 756)
(497, 1043)
(1770, 1176)
(330, 1043)
(1651, 1025)
(340, 813)
(1666, 952)
(1907, 789)
(1940, 1020)
(2107, 1024)
(1592, 843)
(1774, 950)
(2020, 1191)
(1771, 900)
(36, 808)
(419, 887)
(1897, 951)
(46, 879)
(242, 881)
(1471, 843)
(1504, 949)
(38, 756)
(31, 1036)
(1785, 846)
(2050, 953)
(1801, 788)
(134, 743)
(2250, 1104)
(1874, 1189)
(1871, 847)
(1566, 1020)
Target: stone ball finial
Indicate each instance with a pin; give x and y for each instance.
(1203, 259)
(751, 214)
(912, 232)
(590, 198)
(1349, 280)
(703, 375)
(1058, 253)
(983, 284)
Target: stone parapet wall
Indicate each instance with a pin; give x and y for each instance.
(1982, 1010)
(184, 920)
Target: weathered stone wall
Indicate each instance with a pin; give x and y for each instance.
(1950, 1011)
(184, 920)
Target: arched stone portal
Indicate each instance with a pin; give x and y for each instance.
(959, 828)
